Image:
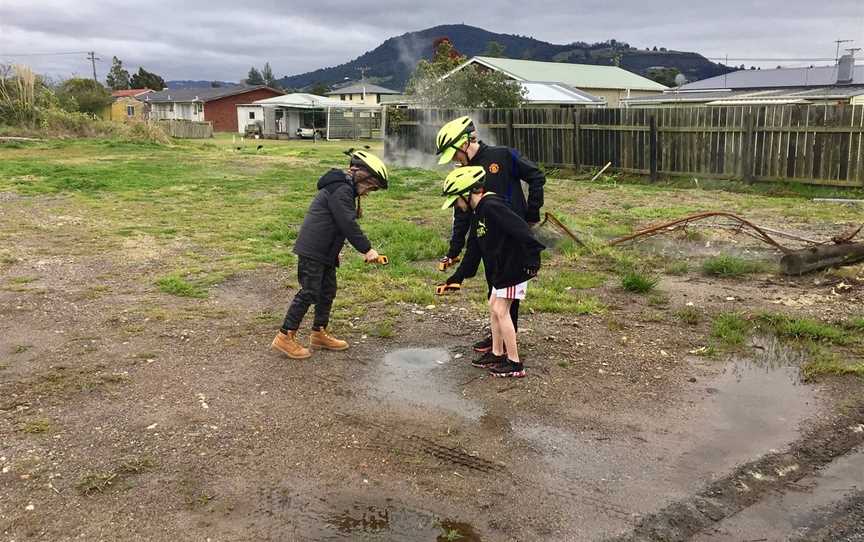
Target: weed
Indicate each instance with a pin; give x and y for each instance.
(177, 285)
(452, 534)
(638, 282)
(689, 315)
(21, 348)
(95, 482)
(557, 292)
(134, 465)
(658, 299)
(22, 280)
(804, 328)
(731, 329)
(830, 363)
(564, 364)
(383, 329)
(677, 267)
(35, 426)
(730, 266)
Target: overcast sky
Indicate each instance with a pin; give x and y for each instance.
(216, 39)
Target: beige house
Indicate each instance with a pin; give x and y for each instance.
(362, 93)
(609, 83)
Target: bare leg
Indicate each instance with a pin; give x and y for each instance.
(507, 333)
(497, 340)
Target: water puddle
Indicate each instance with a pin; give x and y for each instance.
(755, 406)
(343, 517)
(418, 377)
(791, 515)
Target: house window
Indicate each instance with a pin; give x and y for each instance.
(342, 96)
(130, 110)
(377, 98)
(199, 107)
(251, 115)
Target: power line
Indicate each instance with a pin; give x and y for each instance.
(91, 56)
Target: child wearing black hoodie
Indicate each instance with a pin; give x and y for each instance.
(330, 220)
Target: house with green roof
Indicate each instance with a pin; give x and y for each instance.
(609, 84)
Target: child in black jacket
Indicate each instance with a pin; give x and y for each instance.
(330, 220)
(511, 256)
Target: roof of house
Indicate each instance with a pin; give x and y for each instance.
(741, 97)
(541, 92)
(300, 100)
(130, 92)
(359, 87)
(776, 78)
(575, 75)
(204, 94)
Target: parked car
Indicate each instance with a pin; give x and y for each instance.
(310, 133)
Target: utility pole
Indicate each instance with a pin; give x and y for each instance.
(363, 70)
(853, 50)
(838, 42)
(91, 56)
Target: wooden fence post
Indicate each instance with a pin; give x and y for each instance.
(652, 147)
(747, 150)
(577, 138)
(511, 137)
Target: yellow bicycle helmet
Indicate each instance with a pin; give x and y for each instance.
(372, 163)
(451, 136)
(461, 181)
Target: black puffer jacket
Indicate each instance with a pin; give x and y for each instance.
(330, 220)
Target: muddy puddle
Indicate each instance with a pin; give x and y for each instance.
(794, 515)
(422, 378)
(344, 517)
(751, 408)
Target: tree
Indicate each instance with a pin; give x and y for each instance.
(254, 77)
(494, 49)
(319, 89)
(117, 78)
(90, 95)
(267, 75)
(145, 79)
(664, 76)
(467, 88)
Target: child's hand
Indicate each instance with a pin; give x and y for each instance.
(447, 262)
(371, 256)
(442, 289)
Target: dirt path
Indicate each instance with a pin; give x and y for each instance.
(130, 414)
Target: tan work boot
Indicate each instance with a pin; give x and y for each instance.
(288, 345)
(320, 339)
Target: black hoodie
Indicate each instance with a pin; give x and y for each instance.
(330, 220)
(504, 241)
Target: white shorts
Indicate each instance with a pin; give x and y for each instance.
(513, 292)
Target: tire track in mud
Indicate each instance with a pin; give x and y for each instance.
(386, 438)
(749, 483)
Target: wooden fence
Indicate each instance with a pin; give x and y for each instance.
(186, 129)
(805, 143)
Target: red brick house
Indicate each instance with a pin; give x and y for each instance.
(215, 105)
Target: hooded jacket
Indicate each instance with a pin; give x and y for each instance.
(330, 220)
(504, 241)
(505, 171)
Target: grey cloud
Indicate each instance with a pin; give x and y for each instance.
(216, 39)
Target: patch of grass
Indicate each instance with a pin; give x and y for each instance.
(730, 266)
(99, 481)
(564, 364)
(638, 282)
(856, 323)
(677, 268)
(95, 482)
(36, 426)
(804, 328)
(21, 348)
(383, 329)
(451, 534)
(558, 292)
(731, 329)
(658, 299)
(134, 465)
(689, 315)
(825, 363)
(179, 286)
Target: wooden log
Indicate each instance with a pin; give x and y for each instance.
(821, 257)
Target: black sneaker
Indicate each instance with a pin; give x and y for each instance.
(481, 347)
(488, 360)
(507, 368)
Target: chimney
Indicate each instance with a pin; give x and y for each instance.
(845, 70)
